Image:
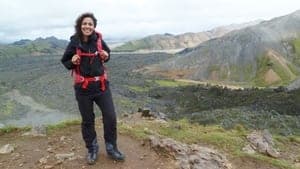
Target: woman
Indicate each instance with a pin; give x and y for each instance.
(85, 55)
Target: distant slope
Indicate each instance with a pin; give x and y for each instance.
(265, 54)
(39, 46)
(168, 41)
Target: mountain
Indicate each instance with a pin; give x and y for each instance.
(169, 41)
(39, 46)
(264, 54)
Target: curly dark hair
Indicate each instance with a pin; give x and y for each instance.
(79, 22)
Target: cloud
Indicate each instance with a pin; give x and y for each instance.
(131, 18)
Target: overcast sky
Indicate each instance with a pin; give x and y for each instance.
(117, 19)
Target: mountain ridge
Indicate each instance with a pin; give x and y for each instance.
(240, 54)
(40, 46)
(169, 41)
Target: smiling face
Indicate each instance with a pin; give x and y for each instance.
(87, 27)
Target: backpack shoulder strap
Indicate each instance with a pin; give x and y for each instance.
(99, 41)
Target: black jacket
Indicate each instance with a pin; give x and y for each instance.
(89, 66)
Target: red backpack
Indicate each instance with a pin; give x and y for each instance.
(85, 80)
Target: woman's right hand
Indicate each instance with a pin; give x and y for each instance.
(76, 60)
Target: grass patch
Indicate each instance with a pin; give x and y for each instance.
(9, 129)
(169, 83)
(139, 132)
(295, 139)
(182, 130)
(282, 164)
(289, 139)
(63, 124)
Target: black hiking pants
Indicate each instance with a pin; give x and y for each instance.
(103, 99)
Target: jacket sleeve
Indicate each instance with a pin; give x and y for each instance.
(66, 58)
(106, 48)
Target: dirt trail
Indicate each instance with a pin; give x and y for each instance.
(39, 152)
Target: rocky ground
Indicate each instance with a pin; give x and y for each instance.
(64, 149)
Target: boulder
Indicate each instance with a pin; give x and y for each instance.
(190, 156)
(262, 142)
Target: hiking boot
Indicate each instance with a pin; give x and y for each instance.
(91, 158)
(93, 153)
(113, 152)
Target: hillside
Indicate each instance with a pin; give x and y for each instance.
(35, 94)
(37, 91)
(168, 41)
(39, 46)
(266, 54)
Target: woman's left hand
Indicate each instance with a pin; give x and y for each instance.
(104, 55)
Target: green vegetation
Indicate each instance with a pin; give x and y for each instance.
(10, 109)
(126, 103)
(280, 163)
(296, 49)
(40, 46)
(9, 129)
(167, 83)
(7, 108)
(63, 124)
(182, 130)
(50, 128)
(265, 64)
(245, 70)
(133, 46)
(216, 105)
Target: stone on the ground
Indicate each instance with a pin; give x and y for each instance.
(6, 149)
(262, 142)
(38, 130)
(62, 157)
(48, 166)
(146, 112)
(248, 149)
(43, 160)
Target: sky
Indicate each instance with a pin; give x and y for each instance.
(130, 19)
